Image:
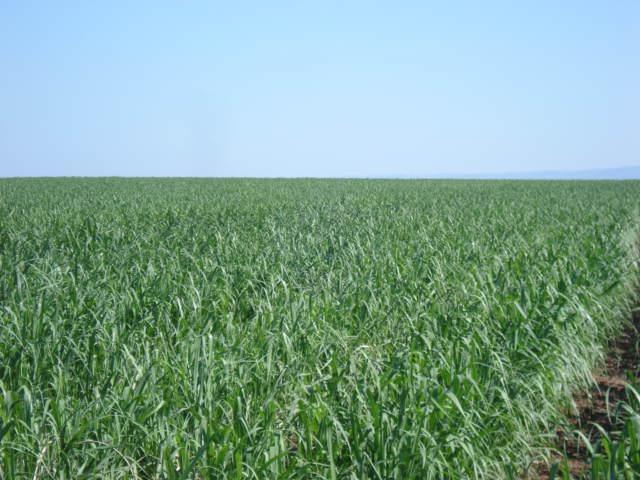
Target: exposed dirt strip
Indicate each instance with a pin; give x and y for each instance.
(596, 406)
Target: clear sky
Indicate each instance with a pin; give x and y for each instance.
(320, 88)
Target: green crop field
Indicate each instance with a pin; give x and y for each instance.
(200, 328)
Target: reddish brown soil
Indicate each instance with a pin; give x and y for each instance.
(597, 405)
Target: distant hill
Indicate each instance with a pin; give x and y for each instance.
(621, 173)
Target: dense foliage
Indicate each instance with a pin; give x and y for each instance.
(198, 328)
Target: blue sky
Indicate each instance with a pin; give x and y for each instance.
(317, 88)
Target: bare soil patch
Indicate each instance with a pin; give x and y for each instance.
(597, 405)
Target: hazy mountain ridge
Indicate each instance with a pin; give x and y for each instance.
(620, 173)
